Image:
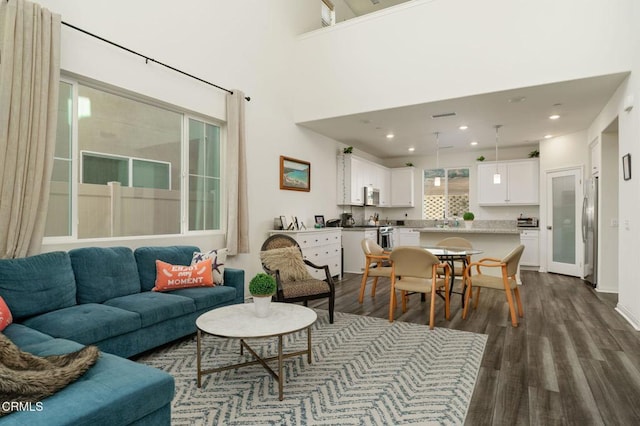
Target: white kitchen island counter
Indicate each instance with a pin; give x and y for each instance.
(494, 242)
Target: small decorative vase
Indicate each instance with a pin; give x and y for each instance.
(468, 224)
(262, 306)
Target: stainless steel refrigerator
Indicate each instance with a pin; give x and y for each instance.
(590, 231)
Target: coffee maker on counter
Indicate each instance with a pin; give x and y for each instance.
(346, 220)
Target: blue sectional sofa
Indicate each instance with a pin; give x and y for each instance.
(102, 296)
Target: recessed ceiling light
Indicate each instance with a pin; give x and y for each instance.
(474, 143)
(517, 99)
(463, 127)
(554, 117)
(548, 136)
(390, 136)
(412, 149)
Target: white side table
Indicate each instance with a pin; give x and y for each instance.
(240, 322)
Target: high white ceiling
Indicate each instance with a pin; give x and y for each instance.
(523, 114)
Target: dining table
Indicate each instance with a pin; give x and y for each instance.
(450, 255)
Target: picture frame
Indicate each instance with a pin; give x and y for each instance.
(295, 175)
(626, 166)
(283, 223)
(319, 219)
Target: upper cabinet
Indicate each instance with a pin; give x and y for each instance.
(354, 173)
(519, 183)
(402, 187)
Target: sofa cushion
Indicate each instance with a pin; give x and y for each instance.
(22, 335)
(218, 258)
(114, 391)
(146, 259)
(154, 307)
(103, 273)
(88, 323)
(207, 297)
(36, 284)
(173, 277)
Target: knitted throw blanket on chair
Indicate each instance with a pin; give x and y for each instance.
(25, 377)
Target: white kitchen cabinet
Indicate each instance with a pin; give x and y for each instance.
(382, 181)
(406, 237)
(354, 174)
(530, 238)
(354, 260)
(402, 187)
(321, 247)
(519, 183)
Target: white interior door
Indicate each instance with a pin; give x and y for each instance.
(564, 237)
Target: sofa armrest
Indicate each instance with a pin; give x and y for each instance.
(235, 278)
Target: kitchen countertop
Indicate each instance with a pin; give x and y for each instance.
(463, 230)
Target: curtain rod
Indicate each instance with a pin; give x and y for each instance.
(147, 59)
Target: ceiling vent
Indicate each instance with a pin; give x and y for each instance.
(446, 114)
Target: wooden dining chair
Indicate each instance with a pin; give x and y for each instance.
(376, 265)
(505, 282)
(414, 270)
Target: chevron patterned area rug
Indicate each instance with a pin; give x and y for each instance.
(365, 371)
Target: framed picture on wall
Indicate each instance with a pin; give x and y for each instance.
(295, 175)
(626, 167)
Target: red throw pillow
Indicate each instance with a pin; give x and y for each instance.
(5, 315)
(172, 277)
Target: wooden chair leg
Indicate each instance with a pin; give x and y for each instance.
(477, 298)
(467, 300)
(363, 284)
(373, 286)
(447, 302)
(403, 295)
(392, 300)
(512, 309)
(516, 292)
(432, 309)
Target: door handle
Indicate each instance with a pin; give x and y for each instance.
(549, 228)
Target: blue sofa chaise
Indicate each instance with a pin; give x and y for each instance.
(61, 301)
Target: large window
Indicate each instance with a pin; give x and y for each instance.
(449, 199)
(118, 168)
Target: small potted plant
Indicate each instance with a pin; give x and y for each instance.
(262, 287)
(468, 219)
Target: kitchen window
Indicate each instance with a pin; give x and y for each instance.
(449, 199)
(119, 168)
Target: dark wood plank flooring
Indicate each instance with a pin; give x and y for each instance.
(572, 361)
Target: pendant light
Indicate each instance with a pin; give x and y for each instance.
(436, 181)
(496, 175)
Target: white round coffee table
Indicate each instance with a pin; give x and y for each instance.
(240, 322)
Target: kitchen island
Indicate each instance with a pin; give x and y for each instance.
(494, 242)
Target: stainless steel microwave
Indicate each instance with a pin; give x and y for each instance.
(371, 196)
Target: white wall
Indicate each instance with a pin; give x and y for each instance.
(424, 50)
(246, 45)
(608, 214)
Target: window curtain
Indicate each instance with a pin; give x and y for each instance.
(29, 84)
(236, 176)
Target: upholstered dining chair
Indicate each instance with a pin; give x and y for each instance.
(376, 265)
(414, 270)
(281, 256)
(505, 282)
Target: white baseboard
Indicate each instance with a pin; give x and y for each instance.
(626, 314)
